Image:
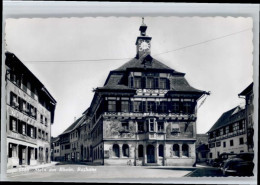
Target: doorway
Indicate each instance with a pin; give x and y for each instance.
(150, 154)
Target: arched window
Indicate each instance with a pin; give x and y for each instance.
(185, 150)
(125, 150)
(176, 150)
(140, 151)
(161, 150)
(115, 150)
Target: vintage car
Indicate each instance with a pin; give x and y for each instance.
(239, 165)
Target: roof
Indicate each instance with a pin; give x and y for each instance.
(55, 139)
(74, 125)
(114, 83)
(228, 117)
(179, 83)
(24, 68)
(201, 138)
(137, 63)
(247, 90)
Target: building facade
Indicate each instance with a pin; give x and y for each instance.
(228, 134)
(145, 114)
(202, 149)
(29, 114)
(55, 149)
(71, 142)
(248, 94)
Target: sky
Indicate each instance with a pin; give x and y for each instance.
(69, 56)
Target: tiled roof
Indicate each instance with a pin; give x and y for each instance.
(138, 63)
(179, 83)
(74, 125)
(246, 90)
(201, 138)
(228, 117)
(114, 83)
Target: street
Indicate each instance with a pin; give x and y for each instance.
(77, 172)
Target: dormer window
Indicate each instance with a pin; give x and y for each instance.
(137, 82)
(162, 84)
(150, 83)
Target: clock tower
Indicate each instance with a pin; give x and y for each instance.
(143, 42)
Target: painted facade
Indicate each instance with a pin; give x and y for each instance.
(29, 115)
(145, 114)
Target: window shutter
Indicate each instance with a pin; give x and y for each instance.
(118, 106)
(131, 106)
(105, 106)
(144, 106)
(156, 83)
(143, 82)
(11, 123)
(167, 83)
(131, 81)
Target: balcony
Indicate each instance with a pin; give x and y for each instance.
(185, 117)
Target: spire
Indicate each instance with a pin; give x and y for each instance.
(143, 28)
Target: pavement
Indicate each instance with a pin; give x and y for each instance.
(60, 172)
(30, 168)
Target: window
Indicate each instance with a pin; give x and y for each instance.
(231, 143)
(162, 84)
(13, 100)
(218, 144)
(241, 125)
(13, 124)
(150, 106)
(46, 121)
(151, 123)
(175, 107)
(47, 137)
(150, 83)
(115, 150)
(241, 141)
(163, 107)
(160, 126)
(211, 145)
(12, 150)
(23, 129)
(140, 126)
(140, 151)
(111, 106)
(125, 126)
(187, 108)
(185, 150)
(231, 128)
(39, 133)
(160, 150)
(124, 106)
(224, 144)
(138, 106)
(176, 150)
(125, 149)
(137, 82)
(41, 118)
(32, 132)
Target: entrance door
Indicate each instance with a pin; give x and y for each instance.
(29, 156)
(22, 155)
(150, 154)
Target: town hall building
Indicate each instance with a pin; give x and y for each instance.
(145, 114)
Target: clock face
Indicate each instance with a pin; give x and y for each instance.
(144, 46)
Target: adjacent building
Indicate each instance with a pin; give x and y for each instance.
(202, 149)
(248, 94)
(145, 114)
(228, 134)
(70, 141)
(29, 114)
(55, 149)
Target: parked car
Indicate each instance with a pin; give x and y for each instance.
(239, 165)
(223, 157)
